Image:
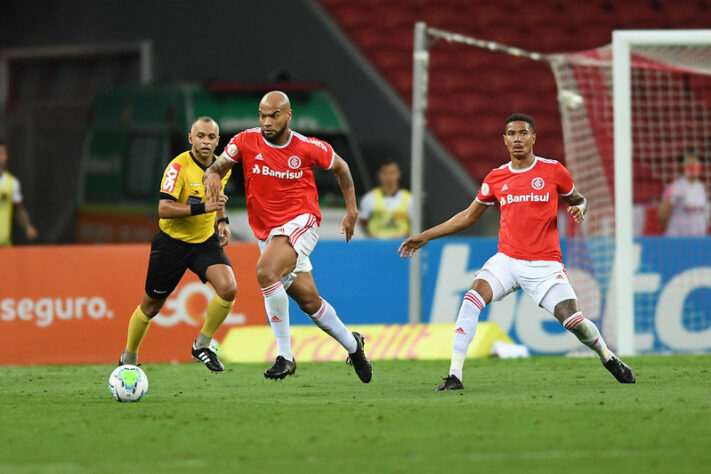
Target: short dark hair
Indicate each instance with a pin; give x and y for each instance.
(520, 118)
(688, 152)
(388, 161)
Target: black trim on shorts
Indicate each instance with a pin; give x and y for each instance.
(170, 258)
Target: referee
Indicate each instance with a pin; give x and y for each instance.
(187, 240)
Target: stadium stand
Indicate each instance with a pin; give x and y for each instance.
(488, 86)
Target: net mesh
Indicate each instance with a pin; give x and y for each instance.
(671, 113)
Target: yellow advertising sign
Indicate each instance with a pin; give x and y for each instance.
(393, 341)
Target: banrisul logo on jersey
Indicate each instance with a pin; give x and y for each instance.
(532, 197)
(537, 183)
(267, 171)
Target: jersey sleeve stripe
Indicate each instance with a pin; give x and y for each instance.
(570, 192)
(484, 202)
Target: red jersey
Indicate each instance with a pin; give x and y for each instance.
(529, 207)
(279, 180)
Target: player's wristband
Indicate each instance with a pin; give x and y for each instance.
(198, 208)
(226, 220)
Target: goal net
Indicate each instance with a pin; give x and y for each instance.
(625, 128)
(665, 278)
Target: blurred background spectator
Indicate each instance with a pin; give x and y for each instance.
(11, 203)
(684, 207)
(385, 212)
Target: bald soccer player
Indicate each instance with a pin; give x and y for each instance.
(283, 211)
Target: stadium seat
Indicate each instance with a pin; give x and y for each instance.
(488, 86)
(636, 15)
(448, 16)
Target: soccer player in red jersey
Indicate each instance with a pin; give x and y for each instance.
(529, 255)
(283, 212)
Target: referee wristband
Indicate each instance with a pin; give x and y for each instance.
(198, 208)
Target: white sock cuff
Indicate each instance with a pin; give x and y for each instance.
(317, 315)
(271, 289)
(475, 298)
(573, 320)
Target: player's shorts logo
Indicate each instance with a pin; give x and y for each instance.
(294, 162)
(484, 189)
(538, 183)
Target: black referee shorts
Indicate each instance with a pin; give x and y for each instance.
(171, 257)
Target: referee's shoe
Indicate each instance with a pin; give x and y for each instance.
(208, 356)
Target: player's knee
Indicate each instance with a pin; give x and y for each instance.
(267, 275)
(228, 291)
(151, 307)
(566, 308)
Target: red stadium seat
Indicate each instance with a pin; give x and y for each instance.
(479, 88)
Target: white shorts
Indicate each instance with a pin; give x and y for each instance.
(303, 235)
(536, 277)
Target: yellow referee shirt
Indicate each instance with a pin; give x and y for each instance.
(182, 181)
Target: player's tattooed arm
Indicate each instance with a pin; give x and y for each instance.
(221, 166)
(212, 179)
(578, 205)
(345, 181)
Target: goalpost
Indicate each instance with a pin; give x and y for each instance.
(627, 111)
(675, 47)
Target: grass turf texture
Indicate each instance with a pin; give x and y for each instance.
(540, 415)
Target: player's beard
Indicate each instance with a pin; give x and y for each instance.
(278, 134)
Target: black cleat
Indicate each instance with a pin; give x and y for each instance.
(451, 382)
(620, 370)
(359, 361)
(208, 356)
(281, 368)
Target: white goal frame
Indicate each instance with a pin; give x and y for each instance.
(622, 43)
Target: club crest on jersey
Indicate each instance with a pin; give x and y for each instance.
(294, 162)
(484, 189)
(538, 183)
(171, 176)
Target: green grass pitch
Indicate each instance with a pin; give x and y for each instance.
(539, 415)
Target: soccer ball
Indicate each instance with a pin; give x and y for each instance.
(128, 383)
(570, 99)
